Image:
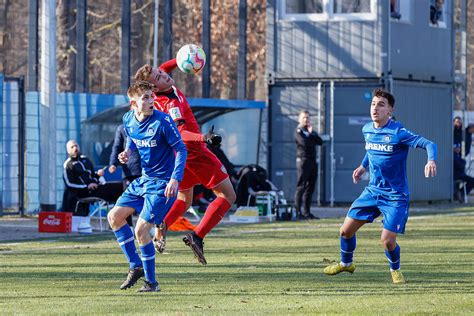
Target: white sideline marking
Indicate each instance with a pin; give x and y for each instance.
(19, 226)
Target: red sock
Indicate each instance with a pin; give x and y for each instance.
(178, 209)
(213, 215)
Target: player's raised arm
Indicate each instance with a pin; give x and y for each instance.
(169, 66)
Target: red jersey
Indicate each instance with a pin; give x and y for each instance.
(175, 104)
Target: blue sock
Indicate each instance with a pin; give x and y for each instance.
(347, 249)
(394, 258)
(126, 241)
(148, 257)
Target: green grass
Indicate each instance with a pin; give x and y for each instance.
(273, 268)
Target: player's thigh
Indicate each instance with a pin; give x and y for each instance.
(351, 226)
(156, 205)
(225, 190)
(395, 213)
(128, 200)
(119, 213)
(207, 169)
(364, 208)
(189, 179)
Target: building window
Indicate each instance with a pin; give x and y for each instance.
(304, 7)
(354, 6)
(438, 14)
(324, 10)
(401, 10)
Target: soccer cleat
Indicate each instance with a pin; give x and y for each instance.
(397, 277)
(159, 241)
(149, 287)
(197, 246)
(132, 278)
(336, 268)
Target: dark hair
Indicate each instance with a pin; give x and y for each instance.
(381, 93)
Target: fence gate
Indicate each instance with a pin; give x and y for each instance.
(12, 145)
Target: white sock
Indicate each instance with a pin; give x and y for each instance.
(345, 264)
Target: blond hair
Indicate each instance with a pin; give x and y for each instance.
(143, 73)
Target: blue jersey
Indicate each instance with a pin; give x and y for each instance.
(387, 151)
(156, 139)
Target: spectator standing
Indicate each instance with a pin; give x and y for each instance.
(306, 166)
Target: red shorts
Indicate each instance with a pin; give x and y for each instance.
(203, 168)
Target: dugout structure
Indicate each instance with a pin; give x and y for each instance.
(98, 131)
(328, 58)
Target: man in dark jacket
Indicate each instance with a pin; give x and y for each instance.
(133, 168)
(459, 174)
(82, 181)
(306, 165)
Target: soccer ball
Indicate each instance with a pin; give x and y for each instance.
(190, 59)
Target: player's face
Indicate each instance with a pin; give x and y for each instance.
(144, 103)
(380, 110)
(73, 149)
(161, 80)
(304, 119)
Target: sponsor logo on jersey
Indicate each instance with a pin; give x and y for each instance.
(150, 131)
(379, 147)
(387, 138)
(145, 142)
(175, 113)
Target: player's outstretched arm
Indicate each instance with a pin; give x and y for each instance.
(358, 173)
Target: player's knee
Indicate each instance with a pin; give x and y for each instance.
(389, 243)
(345, 233)
(231, 197)
(112, 217)
(140, 232)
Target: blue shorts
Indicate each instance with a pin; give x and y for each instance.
(147, 197)
(369, 205)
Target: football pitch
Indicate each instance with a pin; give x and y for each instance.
(271, 268)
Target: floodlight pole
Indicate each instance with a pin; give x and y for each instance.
(155, 33)
(48, 131)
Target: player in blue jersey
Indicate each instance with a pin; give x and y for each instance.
(387, 143)
(163, 155)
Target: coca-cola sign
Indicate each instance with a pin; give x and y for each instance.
(52, 221)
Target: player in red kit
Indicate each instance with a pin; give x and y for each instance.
(202, 166)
